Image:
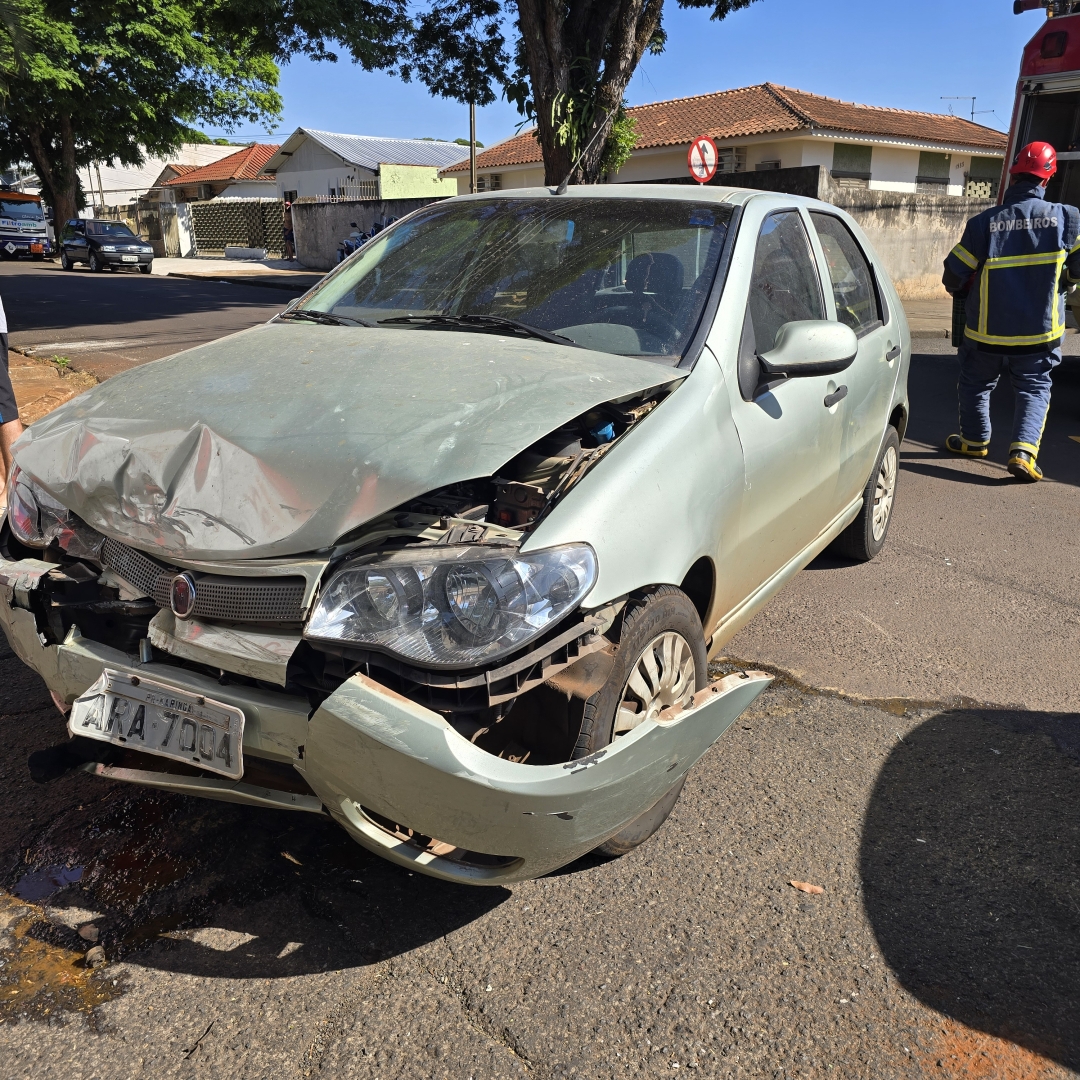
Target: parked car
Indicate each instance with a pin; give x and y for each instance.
(104, 245)
(444, 550)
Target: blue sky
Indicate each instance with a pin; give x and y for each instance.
(905, 55)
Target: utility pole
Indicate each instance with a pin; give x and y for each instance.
(472, 148)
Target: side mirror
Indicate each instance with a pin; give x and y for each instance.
(813, 347)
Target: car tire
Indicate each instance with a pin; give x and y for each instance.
(865, 536)
(146, 268)
(95, 263)
(663, 621)
(65, 262)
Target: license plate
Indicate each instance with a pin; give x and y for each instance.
(143, 714)
(129, 258)
(36, 249)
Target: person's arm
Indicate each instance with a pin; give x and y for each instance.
(963, 261)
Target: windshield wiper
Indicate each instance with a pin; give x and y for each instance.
(325, 318)
(480, 322)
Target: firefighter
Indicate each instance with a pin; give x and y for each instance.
(1014, 264)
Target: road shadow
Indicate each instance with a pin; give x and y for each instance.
(932, 388)
(37, 299)
(969, 862)
(953, 474)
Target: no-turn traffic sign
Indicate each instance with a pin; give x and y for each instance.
(702, 159)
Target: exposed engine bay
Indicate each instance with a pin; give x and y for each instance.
(524, 706)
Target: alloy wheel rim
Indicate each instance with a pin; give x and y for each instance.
(884, 493)
(663, 675)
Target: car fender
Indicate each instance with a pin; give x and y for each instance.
(664, 496)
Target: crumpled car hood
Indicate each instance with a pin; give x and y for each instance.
(278, 440)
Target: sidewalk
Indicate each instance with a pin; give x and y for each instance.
(929, 318)
(271, 273)
(41, 386)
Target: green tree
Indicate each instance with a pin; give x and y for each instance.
(572, 62)
(112, 80)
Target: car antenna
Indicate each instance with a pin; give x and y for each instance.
(561, 189)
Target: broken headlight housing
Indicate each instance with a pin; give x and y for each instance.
(37, 519)
(452, 606)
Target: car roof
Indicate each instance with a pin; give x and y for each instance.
(698, 193)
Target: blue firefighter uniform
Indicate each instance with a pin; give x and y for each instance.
(1014, 262)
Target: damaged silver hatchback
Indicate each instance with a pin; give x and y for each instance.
(444, 549)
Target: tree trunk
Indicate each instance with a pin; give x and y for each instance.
(559, 38)
(60, 180)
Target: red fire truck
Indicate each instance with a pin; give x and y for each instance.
(1047, 104)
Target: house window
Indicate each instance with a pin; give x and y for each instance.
(983, 178)
(289, 196)
(730, 159)
(851, 165)
(933, 176)
(766, 166)
(489, 182)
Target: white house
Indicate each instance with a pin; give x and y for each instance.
(775, 127)
(324, 165)
(107, 184)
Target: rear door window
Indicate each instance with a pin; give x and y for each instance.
(853, 287)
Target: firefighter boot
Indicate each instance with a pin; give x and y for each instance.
(957, 444)
(1022, 466)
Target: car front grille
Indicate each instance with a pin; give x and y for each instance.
(261, 600)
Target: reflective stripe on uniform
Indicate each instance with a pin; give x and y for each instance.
(1006, 262)
(966, 257)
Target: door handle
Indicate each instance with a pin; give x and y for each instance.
(837, 395)
(892, 354)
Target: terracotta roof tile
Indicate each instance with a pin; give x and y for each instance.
(761, 110)
(245, 164)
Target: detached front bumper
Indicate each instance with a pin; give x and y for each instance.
(400, 779)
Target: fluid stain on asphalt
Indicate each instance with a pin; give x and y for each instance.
(39, 884)
(40, 979)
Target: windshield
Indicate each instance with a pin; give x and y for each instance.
(110, 228)
(627, 276)
(21, 209)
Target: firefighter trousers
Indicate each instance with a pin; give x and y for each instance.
(1030, 376)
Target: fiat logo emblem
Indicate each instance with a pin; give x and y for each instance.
(182, 596)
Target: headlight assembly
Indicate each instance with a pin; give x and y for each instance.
(37, 519)
(451, 606)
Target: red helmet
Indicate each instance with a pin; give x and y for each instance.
(1036, 159)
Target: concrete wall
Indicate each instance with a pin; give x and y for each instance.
(320, 226)
(911, 233)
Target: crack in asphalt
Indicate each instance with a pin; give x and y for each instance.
(503, 1036)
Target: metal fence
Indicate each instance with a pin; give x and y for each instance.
(253, 223)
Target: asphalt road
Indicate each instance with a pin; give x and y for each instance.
(109, 322)
(943, 826)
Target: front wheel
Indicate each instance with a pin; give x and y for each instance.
(660, 660)
(865, 536)
(146, 268)
(65, 262)
(95, 264)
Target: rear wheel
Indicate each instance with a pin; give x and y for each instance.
(660, 660)
(865, 536)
